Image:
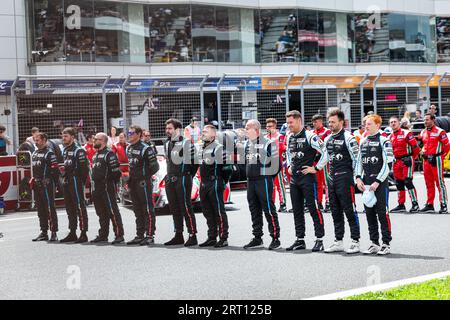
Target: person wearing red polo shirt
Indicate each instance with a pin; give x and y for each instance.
(89, 147)
(278, 181)
(406, 151)
(322, 175)
(120, 149)
(436, 145)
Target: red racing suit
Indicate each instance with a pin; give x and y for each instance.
(90, 152)
(278, 182)
(435, 147)
(322, 175)
(121, 151)
(406, 150)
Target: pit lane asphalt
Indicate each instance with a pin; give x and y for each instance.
(28, 270)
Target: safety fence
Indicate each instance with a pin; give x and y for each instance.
(321, 92)
(242, 97)
(395, 94)
(93, 104)
(52, 103)
(149, 100)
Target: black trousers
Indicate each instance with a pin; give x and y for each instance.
(304, 189)
(178, 190)
(141, 192)
(259, 197)
(379, 214)
(341, 193)
(105, 203)
(44, 196)
(213, 206)
(75, 203)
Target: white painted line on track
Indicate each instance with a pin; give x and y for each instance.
(382, 287)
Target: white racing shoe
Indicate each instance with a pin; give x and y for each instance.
(373, 249)
(385, 250)
(354, 248)
(337, 246)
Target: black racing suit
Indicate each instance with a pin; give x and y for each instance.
(375, 156)
(105, 176)
(181, 167)
(143, 165)
(342, 151)
(262, 165)
(45, 177)
(76, 171)
(214, 174)
(302, 149)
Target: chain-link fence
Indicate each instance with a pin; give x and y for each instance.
(395, 94)
(149, 100)
(244, 97)
(53, 103)
(321, 92)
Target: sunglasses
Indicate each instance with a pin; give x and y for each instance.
(131, 133)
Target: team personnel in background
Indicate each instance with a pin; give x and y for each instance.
(359, 133)
(34, 132)
(322, 175)
(406, 151)
(342, 150)
(303, 146)
(278, 181)
(143, 165)
(120, 149)
(214, 174)
(45, 177)
(105, 175)
(76, 171)
(4, 141)
(89, 148)
(181, 167)
(262, 164)
(436, 145)
(372, 170)
(147, 138)
(192, 131)
(113, 138)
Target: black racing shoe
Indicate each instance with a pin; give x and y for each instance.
(327, 208)
(147, 241)
(222, 243)
(83, 238)
(282, 209)
(210, 242)
(414, 208)
(429, 208)
(43, 236)
(291, 210)
(298, 245)
(176, 240)
(398, 209)
(192, 241)
(320, 206)
(99, 239)
(71, 237)
(118, 240)
(443, 209)
(135, 241)
(255, 243)
(53, 237)
(275, 245)
(318, 246)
